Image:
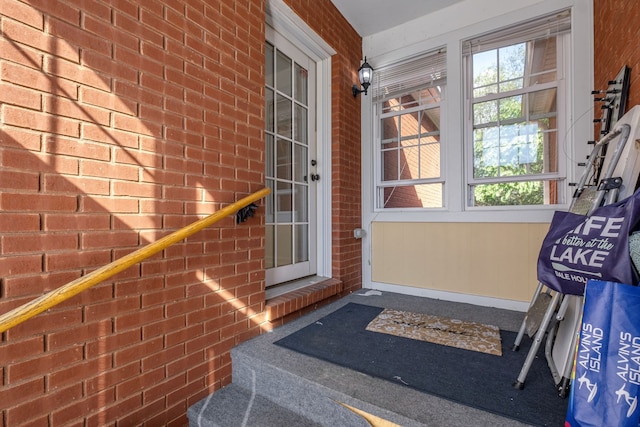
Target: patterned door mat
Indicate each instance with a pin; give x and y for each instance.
(439, 330)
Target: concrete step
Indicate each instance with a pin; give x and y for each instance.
(274, 383)
(234, 406)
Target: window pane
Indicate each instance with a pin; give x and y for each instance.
(390, 165)
(511, 64)
(485, 112)
(543, 63)
(413, 196)
(511, 108)
(516, 193)
(522, 142)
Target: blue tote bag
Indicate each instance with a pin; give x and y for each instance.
(578, 248)
(606, 373)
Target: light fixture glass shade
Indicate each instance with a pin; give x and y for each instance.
(365, 74)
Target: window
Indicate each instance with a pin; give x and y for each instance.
(408, 99)
(514, 81)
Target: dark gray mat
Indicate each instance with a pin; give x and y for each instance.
(475, 379)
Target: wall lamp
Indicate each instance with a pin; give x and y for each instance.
(365, 74)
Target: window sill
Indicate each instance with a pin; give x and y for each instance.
(295, 301)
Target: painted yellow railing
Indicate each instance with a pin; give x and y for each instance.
(63, 293)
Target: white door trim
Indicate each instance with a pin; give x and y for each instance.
(286, 22)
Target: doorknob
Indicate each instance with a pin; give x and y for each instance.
(315, 177)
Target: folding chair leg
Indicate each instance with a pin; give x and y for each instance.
(523, 326)
(535, 345)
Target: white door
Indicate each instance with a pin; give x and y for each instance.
(291, 171)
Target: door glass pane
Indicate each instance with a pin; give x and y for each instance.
(302, 243)
(284, 116)
(283, 64)
(268, 65)
(269, 163)
(301, 84)
(269, 261)
(299, 163)
(301, 124)
(269, 203)
(284, 249)
(283, 159)
(301, 203)
(269, 109)
(284, 203)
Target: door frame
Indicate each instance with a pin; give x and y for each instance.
(288, 24)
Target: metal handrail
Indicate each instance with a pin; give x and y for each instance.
(44, 302)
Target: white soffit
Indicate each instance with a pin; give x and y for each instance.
(372, 16)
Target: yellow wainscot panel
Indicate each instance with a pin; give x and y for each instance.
(488, 259)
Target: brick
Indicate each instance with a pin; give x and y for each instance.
(77, 260)
(72, 72)
(25, 160)
(103, 28)
(100, 62)
(51, 319)
(61, 107)
(126, 356)
(58, 222)
(15, 395)
(36, 284)
(44, 364)
(80, 409)
(138, 318)
(19, 415)
(39, 243)
(107, 379)
(81, 333)
(29, 119)
(108, 414)
(111, 239)
(108, 204)
(17, 180)
(75, 185)
(22, 264)
(103, 98)
(76, 373)
(20, 96)
(111, 342)
(29, 36)
(163, 327)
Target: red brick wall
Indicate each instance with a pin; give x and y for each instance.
(120, 122)
(616, 43)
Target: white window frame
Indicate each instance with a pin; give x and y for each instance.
(510, 36)
(403, 78)
(449, 29)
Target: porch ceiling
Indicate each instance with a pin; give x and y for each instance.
(372, 16)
